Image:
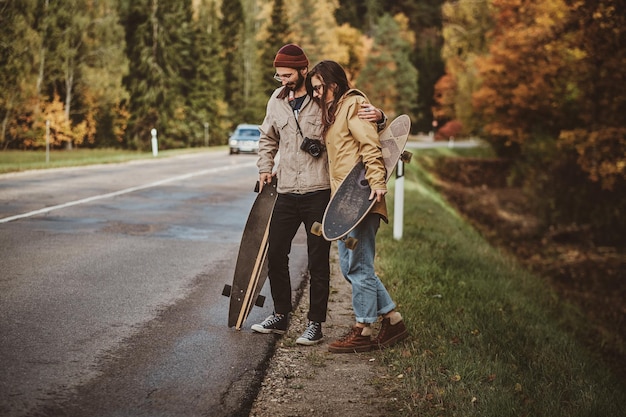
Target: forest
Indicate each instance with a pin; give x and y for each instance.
(542, 81)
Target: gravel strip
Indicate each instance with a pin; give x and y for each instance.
(310, 381)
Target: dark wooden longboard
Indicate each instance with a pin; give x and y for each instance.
(351, 203)
(251, 267)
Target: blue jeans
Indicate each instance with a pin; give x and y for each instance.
(370, 298)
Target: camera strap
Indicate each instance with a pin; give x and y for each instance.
(295, 114)
(295, 104)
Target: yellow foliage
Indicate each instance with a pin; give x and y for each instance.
(62, 132)
(601, 153)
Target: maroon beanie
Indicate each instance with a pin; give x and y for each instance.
(291, 56)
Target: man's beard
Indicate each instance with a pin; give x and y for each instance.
(296, 85)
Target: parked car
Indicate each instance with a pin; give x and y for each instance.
(245, 138)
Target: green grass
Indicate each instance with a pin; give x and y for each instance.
(488, 337)
(14, 161)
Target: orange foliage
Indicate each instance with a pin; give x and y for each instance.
(60, 128)
(445, 93)
(522, 76)
(601, 154)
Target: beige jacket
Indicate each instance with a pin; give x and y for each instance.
(349, 139)
(297, 171)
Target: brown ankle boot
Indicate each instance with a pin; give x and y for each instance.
(353, 342)
(390, 334)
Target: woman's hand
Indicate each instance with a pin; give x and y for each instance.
(378, 194)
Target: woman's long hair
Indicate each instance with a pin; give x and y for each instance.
(331, 74)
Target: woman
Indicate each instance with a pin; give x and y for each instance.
(349, 139)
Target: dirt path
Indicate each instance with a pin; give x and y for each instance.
(310, 381)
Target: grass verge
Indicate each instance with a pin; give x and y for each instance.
(14, 161)
(488, 337)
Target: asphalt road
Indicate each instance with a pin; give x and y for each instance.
(110, 289)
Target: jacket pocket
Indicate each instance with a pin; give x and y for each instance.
(312, 126)
(282, 124)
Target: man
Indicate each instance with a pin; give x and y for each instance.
(293, 126)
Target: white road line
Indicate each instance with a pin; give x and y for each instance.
(125, 191)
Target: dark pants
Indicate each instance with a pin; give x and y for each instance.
(290, 212)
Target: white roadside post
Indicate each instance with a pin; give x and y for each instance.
(47, 141)
(155, 145)
(398, 206)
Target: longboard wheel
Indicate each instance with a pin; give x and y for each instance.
(226, 291)
(316, 229)
(351, 243)
(406, 156)
(260, 301)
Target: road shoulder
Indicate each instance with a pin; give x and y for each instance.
(308, 380)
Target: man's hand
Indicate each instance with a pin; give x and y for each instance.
(370, 113)
(378, 194)
(264, 178)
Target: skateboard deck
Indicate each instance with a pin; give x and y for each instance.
(251, 267)
(350, 203)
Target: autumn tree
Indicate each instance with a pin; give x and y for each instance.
(354, 43)
(388, 77)
(553, 98)
(67, 51)
(424, 18)
(526, 73)
(599, 137)
(465, 27)
(445, 99)
(100, 91)
(70, 51)
(593, 144)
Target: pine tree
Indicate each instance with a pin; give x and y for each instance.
(254, 96)
(277, 28)
(176, 59)
(159, 44)
(145, 81)
(19, 44)
(232, 31)
(207, 85)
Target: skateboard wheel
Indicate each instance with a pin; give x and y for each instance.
(316, 229)
(351, 243)
(406, 156)
(226, 291)
(260, 301)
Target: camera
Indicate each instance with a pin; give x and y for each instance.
(313, 146)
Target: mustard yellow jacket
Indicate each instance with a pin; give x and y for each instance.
(349, 139)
